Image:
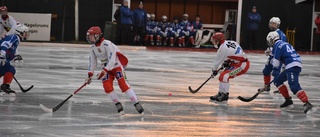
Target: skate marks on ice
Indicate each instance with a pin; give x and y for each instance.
(153, 76)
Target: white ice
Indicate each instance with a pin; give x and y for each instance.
(56, 70)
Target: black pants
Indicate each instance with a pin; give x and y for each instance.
(139, 31)
(118, 34)
(126, 35)
(252, 39)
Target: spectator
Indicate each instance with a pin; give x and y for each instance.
(126, 22)
(139, 24)
(117, 16)
(254, 19)
(317, 22)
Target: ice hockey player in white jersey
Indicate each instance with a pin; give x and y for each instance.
(231, 57)
(8, 26)
(113, 63)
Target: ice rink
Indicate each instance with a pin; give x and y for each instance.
(56, 70)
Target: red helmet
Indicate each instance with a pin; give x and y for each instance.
(218, 36)
(3, 8)
(96, 32)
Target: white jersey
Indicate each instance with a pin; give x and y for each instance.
(109, 55)
(7, 26)
(229, 50)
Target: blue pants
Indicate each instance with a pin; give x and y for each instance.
(292, 75)
(7, 68)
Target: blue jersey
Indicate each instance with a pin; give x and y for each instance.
(163, 26)
(185, 25)
(151, 25)
(285, 53)
(196, 25)
(9, 45)
(282, 36)
(174, 27)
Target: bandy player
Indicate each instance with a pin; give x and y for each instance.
(113, 63)
(230, 56)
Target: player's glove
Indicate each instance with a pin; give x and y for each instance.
(226, 64)
(214, 73)
(102, 74)
(3, 60)
(267, 52)
(88, 80)
(177, 34)
(187, 33)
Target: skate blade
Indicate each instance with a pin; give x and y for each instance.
(288, 107)
(311, 111)
(121, 113)
(218, 102)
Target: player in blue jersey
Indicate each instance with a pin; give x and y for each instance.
(284, 53)
(185, 27)
(274, 25)
(174, 30)
(8, 49)
(162, 32)
(151, 29)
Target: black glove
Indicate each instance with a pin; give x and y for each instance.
(214, 73)
(226, 63)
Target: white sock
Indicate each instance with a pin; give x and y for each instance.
(224, 87)
(132, 96)
(113, 96)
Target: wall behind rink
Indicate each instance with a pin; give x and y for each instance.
(91, 12)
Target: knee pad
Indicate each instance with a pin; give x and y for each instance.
(224, 78)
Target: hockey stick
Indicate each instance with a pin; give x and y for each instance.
(21, 88)
(64, 101)
(195, 91)
(253, 97)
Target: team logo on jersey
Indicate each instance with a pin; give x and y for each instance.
(99, 50)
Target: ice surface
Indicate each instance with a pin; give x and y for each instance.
(58, 70)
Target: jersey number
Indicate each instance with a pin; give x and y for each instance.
(231, 45)
(290, 49)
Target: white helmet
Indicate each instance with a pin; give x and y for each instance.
(164, 17)
(23, 31)
(275, 20)
(185, 15)
(153, 17)
(272, 37)
(148, 16)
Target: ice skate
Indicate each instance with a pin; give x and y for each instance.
(6, 88)
(18, 58)
(265, 88)
(221, 98)
(288, 104)
(120, 108)
(309, 109)
(139, 108)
